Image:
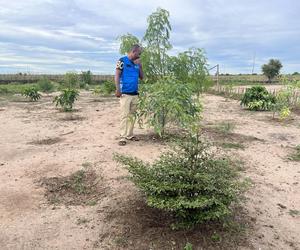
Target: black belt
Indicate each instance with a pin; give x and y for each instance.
(133, 93)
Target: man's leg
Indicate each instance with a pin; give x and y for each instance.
(125, 112)
(131, 118)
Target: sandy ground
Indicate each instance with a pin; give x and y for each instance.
(88, 137)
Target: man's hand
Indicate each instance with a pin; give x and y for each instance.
(137, 61)
(118, 93)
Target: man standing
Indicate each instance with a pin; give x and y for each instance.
(128, 72)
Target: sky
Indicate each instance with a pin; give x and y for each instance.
(56, 36)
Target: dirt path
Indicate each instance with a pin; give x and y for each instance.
(37, 141)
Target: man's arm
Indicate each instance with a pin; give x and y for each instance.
(119, 69)
(117, 82)
(141, 73)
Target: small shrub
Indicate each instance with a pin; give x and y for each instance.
(106, 88)
(4, 90)
(284, 113)
(225, 127)
(258, 98)
(286, 99)
(216, 237)
(70, 80)
(294, 212)
(87, 87)
(86, 78)
(296, 155)
(188, 246)
(66, 99)
(189, 182)
(45, 85)
(97, 90)
(16, 88)
(82, 85)
(31, 93)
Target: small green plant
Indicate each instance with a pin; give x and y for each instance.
(78, 182)
(188, 182)
(258, 98)
(97, 90)
(109, 87)
(285, 112)
(45, 85)
(66, 99)
(121, 241)
(87, 164)
(216, 237)
(225, 127)
(286, 99)
(31, 93)
(81, 221)
(296, 155)
(294, 212)
(106, 88)
(91, 203)
(188, 246)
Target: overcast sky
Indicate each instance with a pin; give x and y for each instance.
(56, 36)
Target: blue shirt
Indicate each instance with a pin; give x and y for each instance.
(129, 75)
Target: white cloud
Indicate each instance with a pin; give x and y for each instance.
(82, 33)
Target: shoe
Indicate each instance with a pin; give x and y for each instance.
(133, 138)
(122, 143)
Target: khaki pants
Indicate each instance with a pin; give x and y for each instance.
(128, 105)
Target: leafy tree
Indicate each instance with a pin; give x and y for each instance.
(155, 58)
(66, 99)
(191, 67)
(126, 43)
(167, 101)
(175, 79)
(272, 69)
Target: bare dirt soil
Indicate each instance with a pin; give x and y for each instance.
(61, 189)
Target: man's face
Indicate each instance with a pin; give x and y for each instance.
(136, 54)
